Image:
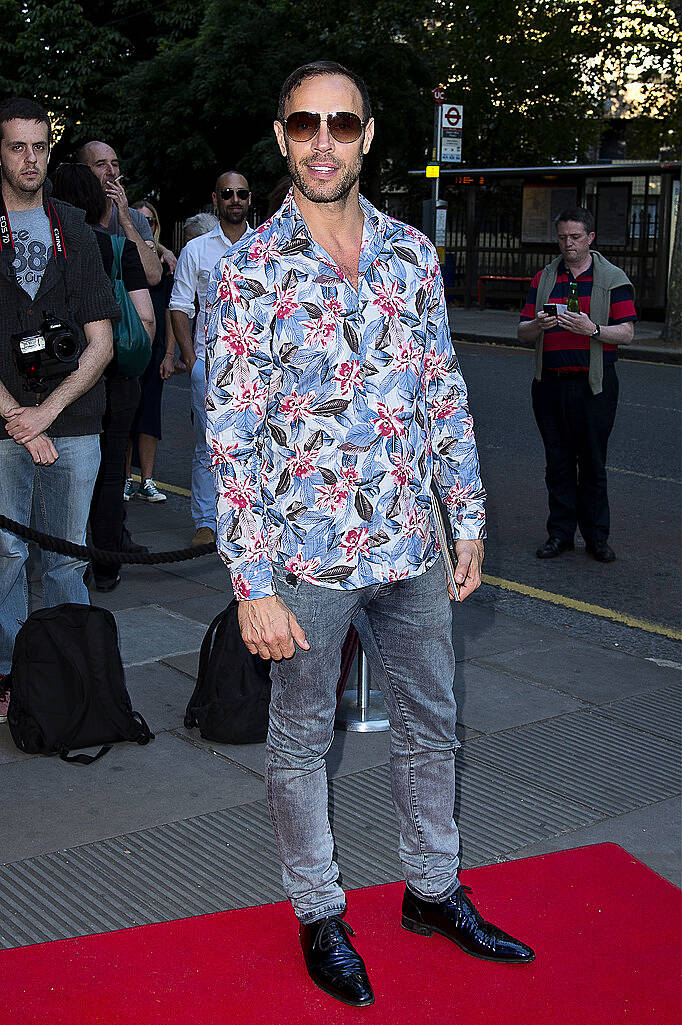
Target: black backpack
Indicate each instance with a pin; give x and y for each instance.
(232, 696)
(67, 688)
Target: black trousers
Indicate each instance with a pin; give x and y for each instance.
(575, 426)
(107, 510)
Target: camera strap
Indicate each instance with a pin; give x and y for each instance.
(58, 245)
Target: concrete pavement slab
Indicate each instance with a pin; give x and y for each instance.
(146, 585)
(480, 631)
(160, 694)
(204, 608)
(151, 632)
(587, 671)
(489, 701)
(49, 804)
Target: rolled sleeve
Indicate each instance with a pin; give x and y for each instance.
(185, 283)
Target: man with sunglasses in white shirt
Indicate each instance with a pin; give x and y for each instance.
(232, 199)
(334, 400)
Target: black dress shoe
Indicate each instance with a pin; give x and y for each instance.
(128, 545)
(457, 919)
(600, 551)
(552, 547)
(333, 963)
(107, 583)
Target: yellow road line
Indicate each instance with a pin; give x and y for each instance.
(583, 606)
(531, 592)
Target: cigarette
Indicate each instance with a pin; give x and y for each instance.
(119, 178)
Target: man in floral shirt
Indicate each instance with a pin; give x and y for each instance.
(334, 399)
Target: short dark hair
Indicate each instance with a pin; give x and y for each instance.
(77, 185)
(232, 171)
(26, 110)
(315, 70)
(577, 213)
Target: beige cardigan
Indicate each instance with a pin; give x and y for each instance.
(605, 277)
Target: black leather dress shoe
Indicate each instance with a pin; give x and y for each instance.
(600, 551)
(457, 919)
(552, 547)
(333, 963)
(128, 545)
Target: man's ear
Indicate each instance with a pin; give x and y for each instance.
(369, 135)
(281, 141)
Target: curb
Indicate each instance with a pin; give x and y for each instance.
(653, 354)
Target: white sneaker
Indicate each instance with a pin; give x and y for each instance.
(130, 490)
(150, 493)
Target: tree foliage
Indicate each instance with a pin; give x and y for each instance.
(185, 90)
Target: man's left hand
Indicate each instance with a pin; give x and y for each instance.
(577, 323)
(25, 423)
(468, 569)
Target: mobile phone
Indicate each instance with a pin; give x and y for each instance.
(550, 309)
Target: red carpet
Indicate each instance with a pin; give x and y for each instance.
(605, 928)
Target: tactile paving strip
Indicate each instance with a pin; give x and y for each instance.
(607, 765)
(659, 712)
(227, 859)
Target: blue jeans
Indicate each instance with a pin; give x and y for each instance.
(61, 496)
(203, 500)
(411, 629)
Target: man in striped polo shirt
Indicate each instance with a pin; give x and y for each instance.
(575, 390)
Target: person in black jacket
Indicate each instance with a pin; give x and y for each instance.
(50, 273)
(76, 184)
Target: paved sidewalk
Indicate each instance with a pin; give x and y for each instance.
(566, 743)
(500, 327)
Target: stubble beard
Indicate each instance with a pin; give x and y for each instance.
(233, 216)
(22, 187)
(318, 193)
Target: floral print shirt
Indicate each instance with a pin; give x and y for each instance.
(330, 409)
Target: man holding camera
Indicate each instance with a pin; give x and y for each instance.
(575, 391)
(56, 308)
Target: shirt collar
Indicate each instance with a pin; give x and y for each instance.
(217, 232)
(293, 223)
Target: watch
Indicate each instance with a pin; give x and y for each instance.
(596, 333)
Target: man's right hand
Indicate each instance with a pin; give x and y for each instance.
(42, 450)
(269, 628)
(545, 322)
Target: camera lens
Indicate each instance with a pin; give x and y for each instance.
(64, 346)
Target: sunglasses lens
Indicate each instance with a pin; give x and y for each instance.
(242, 194)
(302, 126)
(344, 127)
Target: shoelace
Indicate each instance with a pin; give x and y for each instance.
(328, 935)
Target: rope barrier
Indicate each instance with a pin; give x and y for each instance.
(88, 552)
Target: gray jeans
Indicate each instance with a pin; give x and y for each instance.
(409, 624)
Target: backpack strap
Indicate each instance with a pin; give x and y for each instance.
(117, 245)
(85, 759)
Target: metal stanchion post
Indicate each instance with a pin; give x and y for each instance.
(361, 710)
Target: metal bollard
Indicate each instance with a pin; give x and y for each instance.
(362, 711)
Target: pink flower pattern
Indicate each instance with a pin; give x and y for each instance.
(332, 409)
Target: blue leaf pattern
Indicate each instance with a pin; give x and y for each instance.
(330, 410)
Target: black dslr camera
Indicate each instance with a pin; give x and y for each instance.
(48, 354)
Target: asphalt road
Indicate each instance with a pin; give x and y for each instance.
(645, 482)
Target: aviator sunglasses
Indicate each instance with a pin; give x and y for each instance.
(239, 193)
(342, 125)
